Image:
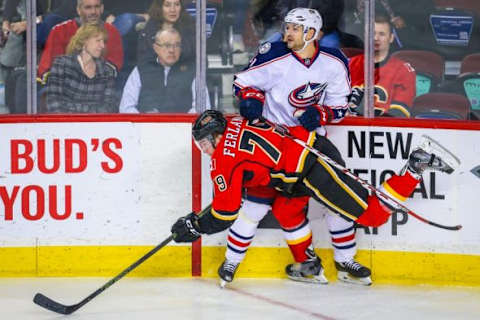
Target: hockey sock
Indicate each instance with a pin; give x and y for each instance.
(342, 233)
(376, 213)
(298, 240)
(401, 187)
(243, 230)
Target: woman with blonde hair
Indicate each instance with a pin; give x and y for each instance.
(82, 81)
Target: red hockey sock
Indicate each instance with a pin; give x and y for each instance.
(375, 215)
(401, 187)
(298, 249)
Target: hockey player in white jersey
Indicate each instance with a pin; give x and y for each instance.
(303, 86)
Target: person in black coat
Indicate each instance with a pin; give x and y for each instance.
(165, 14)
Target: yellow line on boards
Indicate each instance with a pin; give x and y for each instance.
(389, 267)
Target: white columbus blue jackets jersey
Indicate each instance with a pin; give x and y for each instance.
(290, 83)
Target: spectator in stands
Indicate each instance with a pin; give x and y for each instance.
(55, 12)
(13, 50)
(13, 31)
(89, 11)
(124, 15)
(166, 14)
(161, 83)
(82, 81)
(394, 78)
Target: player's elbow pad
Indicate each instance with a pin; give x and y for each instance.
(210, 225)
(251, 103)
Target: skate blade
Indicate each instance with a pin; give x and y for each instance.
(222, 283)
(346, 277)
(320, 279)
(432, 146)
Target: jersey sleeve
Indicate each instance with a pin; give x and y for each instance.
(338, 88)
(404, 90)
(262, 72)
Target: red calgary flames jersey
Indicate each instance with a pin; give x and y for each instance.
(252, 155)
(394, 84)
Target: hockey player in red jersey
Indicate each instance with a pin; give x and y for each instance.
(255, 153)
(394, 79)
(304, 86)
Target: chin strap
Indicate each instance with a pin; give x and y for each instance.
(306, 42)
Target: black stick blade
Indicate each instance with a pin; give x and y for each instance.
(51, 305)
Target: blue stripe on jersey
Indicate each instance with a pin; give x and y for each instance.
(240, 236)
(342, 231)
(345, 247)
(339, 113)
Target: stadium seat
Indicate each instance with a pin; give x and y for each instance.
(467, 84)
(429, 66)
(470, 63)
(440, 105)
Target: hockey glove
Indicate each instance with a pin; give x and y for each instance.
(353, 110)
(251, 103)
(186, 229)
(312, 118)
(356, 96)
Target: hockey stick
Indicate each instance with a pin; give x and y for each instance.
(385, 197)
(57, 307)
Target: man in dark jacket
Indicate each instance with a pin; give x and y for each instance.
(162, 83)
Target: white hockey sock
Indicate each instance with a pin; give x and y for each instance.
(241, 233)
(342, 234)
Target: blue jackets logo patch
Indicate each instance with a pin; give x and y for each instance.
(306, 95)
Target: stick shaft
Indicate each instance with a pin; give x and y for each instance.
(385, 197)
(52, 305)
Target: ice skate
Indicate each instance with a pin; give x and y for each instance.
(226, 272)
(310, 270)
(353, 272)
(432, 155)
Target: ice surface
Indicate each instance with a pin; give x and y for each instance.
(202, 299)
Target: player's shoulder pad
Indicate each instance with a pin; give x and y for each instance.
(336, 53)
(268, 51)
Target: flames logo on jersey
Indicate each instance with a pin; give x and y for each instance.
(306, 95)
